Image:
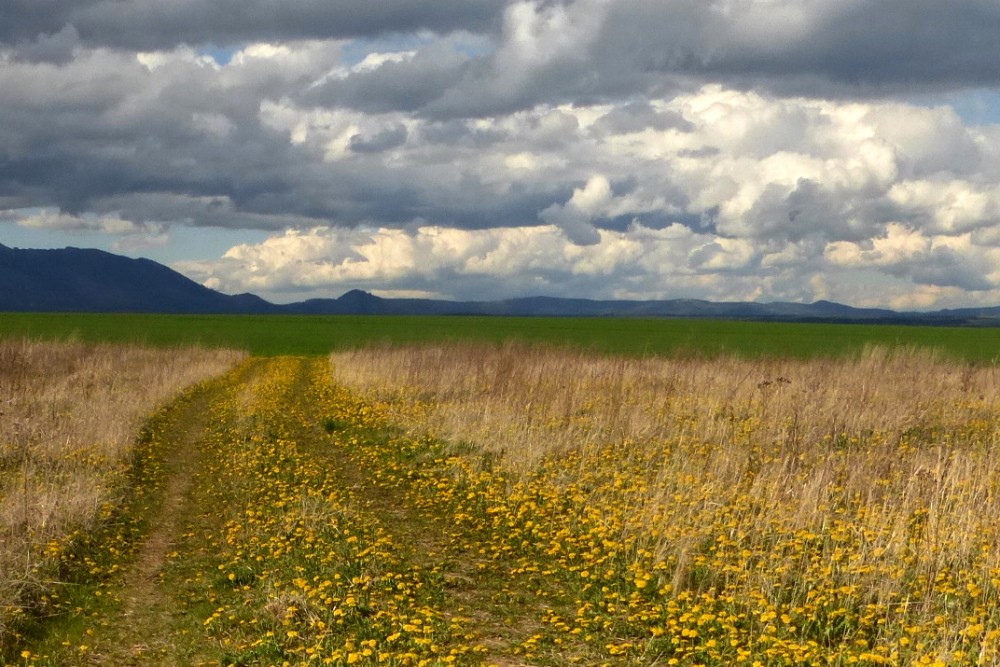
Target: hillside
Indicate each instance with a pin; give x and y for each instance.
(82, 280)
(358, 302)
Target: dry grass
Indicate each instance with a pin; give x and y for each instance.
(879, 472)
(69, 414)
(529, 402)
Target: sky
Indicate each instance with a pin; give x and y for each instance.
(730, 150)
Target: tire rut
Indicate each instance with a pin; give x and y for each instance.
(143, 632)
(159, 619)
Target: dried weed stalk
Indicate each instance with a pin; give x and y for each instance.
(69, 414)
(899, 446)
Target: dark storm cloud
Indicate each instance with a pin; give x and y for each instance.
(655, 47)
(638, 116)
(26, 20)
(459, 132)
(379, 142)
(148, 25)
(56, 48)
(868, 46)
(903, 42)
(582, 51)
(181, 129)
(944, 267)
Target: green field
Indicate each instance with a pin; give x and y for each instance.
(315, 334)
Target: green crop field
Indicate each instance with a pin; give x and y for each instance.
(314, 334)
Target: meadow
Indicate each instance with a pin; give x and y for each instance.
(71, 413)
(505, 500)
(725, 511)
(318, 335)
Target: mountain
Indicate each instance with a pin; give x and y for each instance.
(74, 279)
(358, 302)
(362, 303)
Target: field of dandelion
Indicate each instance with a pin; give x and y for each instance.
(513, 504)
(725, 511)
(70, 418)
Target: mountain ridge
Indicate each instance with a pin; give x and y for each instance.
(90, 280)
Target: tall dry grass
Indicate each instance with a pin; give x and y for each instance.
(887, 461)
(69, 414)
(531, 401)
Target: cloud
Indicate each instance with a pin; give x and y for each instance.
(574, 217)
(803, 48)
(138, 243)
(588, 50)
(139, 24)
(728, 148)
(386, 82)
(53, 219)
(772, 181)
(938, 261)
(594, 50)
(635, 117)
(56, 48)
(463, 263)
(948, 205)
(381, 141)
(129, 236)
(904, 269)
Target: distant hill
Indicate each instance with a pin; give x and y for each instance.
(75, 280)
(359, 302)
(80, 280)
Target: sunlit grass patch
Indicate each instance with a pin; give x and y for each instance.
(304, 573)
(724, 511)
(72, 468)
(518, 506)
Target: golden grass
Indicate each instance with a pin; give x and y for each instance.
(531, 401)
(869, 486)
(69, 415)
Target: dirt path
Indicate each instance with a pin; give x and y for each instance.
(193, 596)
(502, 611)
(145, 632)
(473, 588)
